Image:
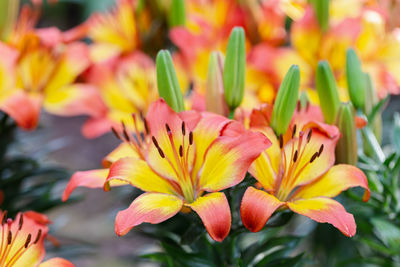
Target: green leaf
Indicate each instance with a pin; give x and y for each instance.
(283, 262)
(388, 233)
(286, 101)
(396, 132)
(235, 68)
(177, 14)
(355, 79)
(167, 82)
(327, 92)
(8, 17)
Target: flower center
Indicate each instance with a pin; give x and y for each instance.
(180, 160)
(9, 254)
(294, 163)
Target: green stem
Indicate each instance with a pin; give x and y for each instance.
(374, 144)
(231, 114)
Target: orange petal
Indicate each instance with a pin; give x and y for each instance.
(37, 217)
(337, 179)
(257, 207)
(56, 262)
(228, 159)
(137, 173)
(89, 179)
(361, 122)
(148, 207)
(23, 108)
(215, 213)
(73, 100)
(325, 210)
(96, 127)
(207, 130)
(266, 167)
(123, 150)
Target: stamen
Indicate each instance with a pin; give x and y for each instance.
(116, 134)
(191, 138)
(181, 151)
(4, 219)
(298, 106)
(309, 136)
(314, 157)
(295, 156)
(155, 141)
(294, 130)
(183, 128)
(28, 240)
(146, 126)
(158, 147)
(39, 234)
(280, 141)
(126, 135)
(21, 221)
(168, 129)
(321, 148)
(9, 237)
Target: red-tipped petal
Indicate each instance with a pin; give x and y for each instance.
(257, 207)
(90, 179)
(326, 210)
(24, 109)
(215, 213)
(147, 208)
(339, 178)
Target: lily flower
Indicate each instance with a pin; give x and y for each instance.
(22, 242)
(179, 173)
(297, 172)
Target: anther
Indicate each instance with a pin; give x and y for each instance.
(280, 141)
(181, 151)
(126, 135)
(314, 157)
(294, 130)
(321, 148)
(28, 240)
(39, 234)
(298, 106)
(4, 219)
(183, 128)
(9, 237)
(155, 142)
(21, 221)
(295, 156)
(168, 129)
(146, 126)
(115, 133)
(191, 138)
(160, 152)
(309, 136)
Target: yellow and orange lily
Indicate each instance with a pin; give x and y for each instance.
(22, 241)
(175, 166)
(297, 172)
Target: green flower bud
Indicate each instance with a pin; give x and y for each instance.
(346, 148)
(321, 8)
(8, 17)
(327, 92)
(371, 100)
(235, 68)
(215, 100)
(286, 101)
(177, 14)
(167, 82)
(355, 79)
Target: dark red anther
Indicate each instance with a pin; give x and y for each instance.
(115, 133)
(146, 126)
(160, 152)
(39, 234)
(28, 240)
(314, 157)
(155, 142)
(9, 237)
(191, 138)
(321, 148)
(309, 136)
(4, 219)
(21, 222)
(295, 156)
(294, 130)
(181, 151)
(280, 141)
(168, 129)
(183, 128)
